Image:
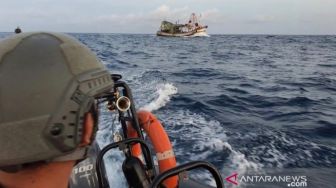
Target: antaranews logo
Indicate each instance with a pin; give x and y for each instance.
(232, 179)
(289, 181)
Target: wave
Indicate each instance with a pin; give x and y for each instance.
(197, 138)
(327, 129)
(198, 73)
(164, 93)
(276, 149)
(237, 90)
(327, 65)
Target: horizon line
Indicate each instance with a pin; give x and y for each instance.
(278, 34)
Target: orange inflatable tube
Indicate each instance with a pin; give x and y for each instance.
(161, 143)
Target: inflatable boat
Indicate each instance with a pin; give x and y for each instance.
(138, 166)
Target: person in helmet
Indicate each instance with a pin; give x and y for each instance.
(49, 83)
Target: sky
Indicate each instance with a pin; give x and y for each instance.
(144, 16)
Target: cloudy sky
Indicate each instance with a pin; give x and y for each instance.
(144, 16)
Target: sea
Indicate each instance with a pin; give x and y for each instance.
(252, 105)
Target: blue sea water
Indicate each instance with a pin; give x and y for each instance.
(246, 103)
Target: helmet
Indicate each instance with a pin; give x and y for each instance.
(48, 81)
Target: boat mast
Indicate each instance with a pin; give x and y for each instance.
(193, 21)
(194, 18)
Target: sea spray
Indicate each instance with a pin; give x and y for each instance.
(164, 92)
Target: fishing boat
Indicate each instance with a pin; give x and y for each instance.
(192, 28)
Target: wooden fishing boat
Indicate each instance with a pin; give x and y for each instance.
(192, 28)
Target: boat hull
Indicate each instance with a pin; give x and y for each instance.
(197, 32)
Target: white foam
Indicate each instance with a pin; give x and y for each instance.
(208, 136)
(164, 92)
(201, 34)
(113, 164)
(276, 151)
(113, 159)
(241, 165)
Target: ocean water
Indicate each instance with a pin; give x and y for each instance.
(249, 104)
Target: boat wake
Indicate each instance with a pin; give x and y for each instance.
(205, 140)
